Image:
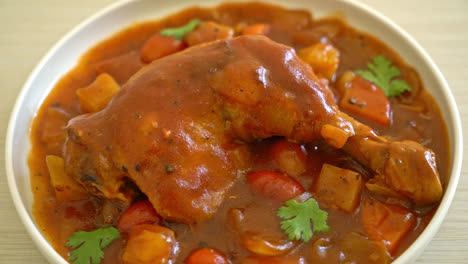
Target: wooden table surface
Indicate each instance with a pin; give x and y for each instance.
(28, 28)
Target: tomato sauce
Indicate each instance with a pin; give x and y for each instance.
(416, 116)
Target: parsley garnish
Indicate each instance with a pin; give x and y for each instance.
(381, 73)
(88, 245)
(299, 216)
(180, 32)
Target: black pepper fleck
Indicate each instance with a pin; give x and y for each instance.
(137, 167)
(203, 244)
(169, 169)
(124, 169)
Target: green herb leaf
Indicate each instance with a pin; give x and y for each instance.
(381, 73)
(180, 32)
(88, 245)
(299, 216)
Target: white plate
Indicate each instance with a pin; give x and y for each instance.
(64, 55)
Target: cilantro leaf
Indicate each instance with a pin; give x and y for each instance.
(381, 73)
(88, 245)
(180, 32)
(299, 216)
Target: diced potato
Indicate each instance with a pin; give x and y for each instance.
(53, 128)
(98, 94)
(66, 189)
(207, 32)
(149, 244)
(323, 58)
(334, 136)
(340, 188)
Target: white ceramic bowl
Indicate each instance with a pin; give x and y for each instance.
(64, 55)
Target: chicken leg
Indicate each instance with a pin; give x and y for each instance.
(178, 129)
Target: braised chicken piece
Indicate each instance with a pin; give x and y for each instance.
(177, 128)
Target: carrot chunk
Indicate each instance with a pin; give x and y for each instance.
(159, 46)
(385, 222)
(274, 185)
(339, 187)
(364, 99)
(256, 29)
(206, 256)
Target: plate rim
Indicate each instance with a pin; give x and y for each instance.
(408, 255)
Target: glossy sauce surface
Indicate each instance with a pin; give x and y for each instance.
(415, 116)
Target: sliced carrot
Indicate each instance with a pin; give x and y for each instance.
(274, 185)
(256, 29)
(141, 212)
(159, 46)
(385, 222)
(206, 256)
(363, 98)
(289, 156)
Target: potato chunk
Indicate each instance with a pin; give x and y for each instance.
(338, 187)
(97, 95)
(324, 59)
(66, 189)
(149, 244)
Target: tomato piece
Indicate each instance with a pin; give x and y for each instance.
(386, 222)
(274, 185)
(256, 29)
(289, 156)
(206, 256)
(323, 58)
(159, 46)
(141, 212)
(364, 99)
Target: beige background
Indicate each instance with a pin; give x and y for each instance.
(28, 28)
